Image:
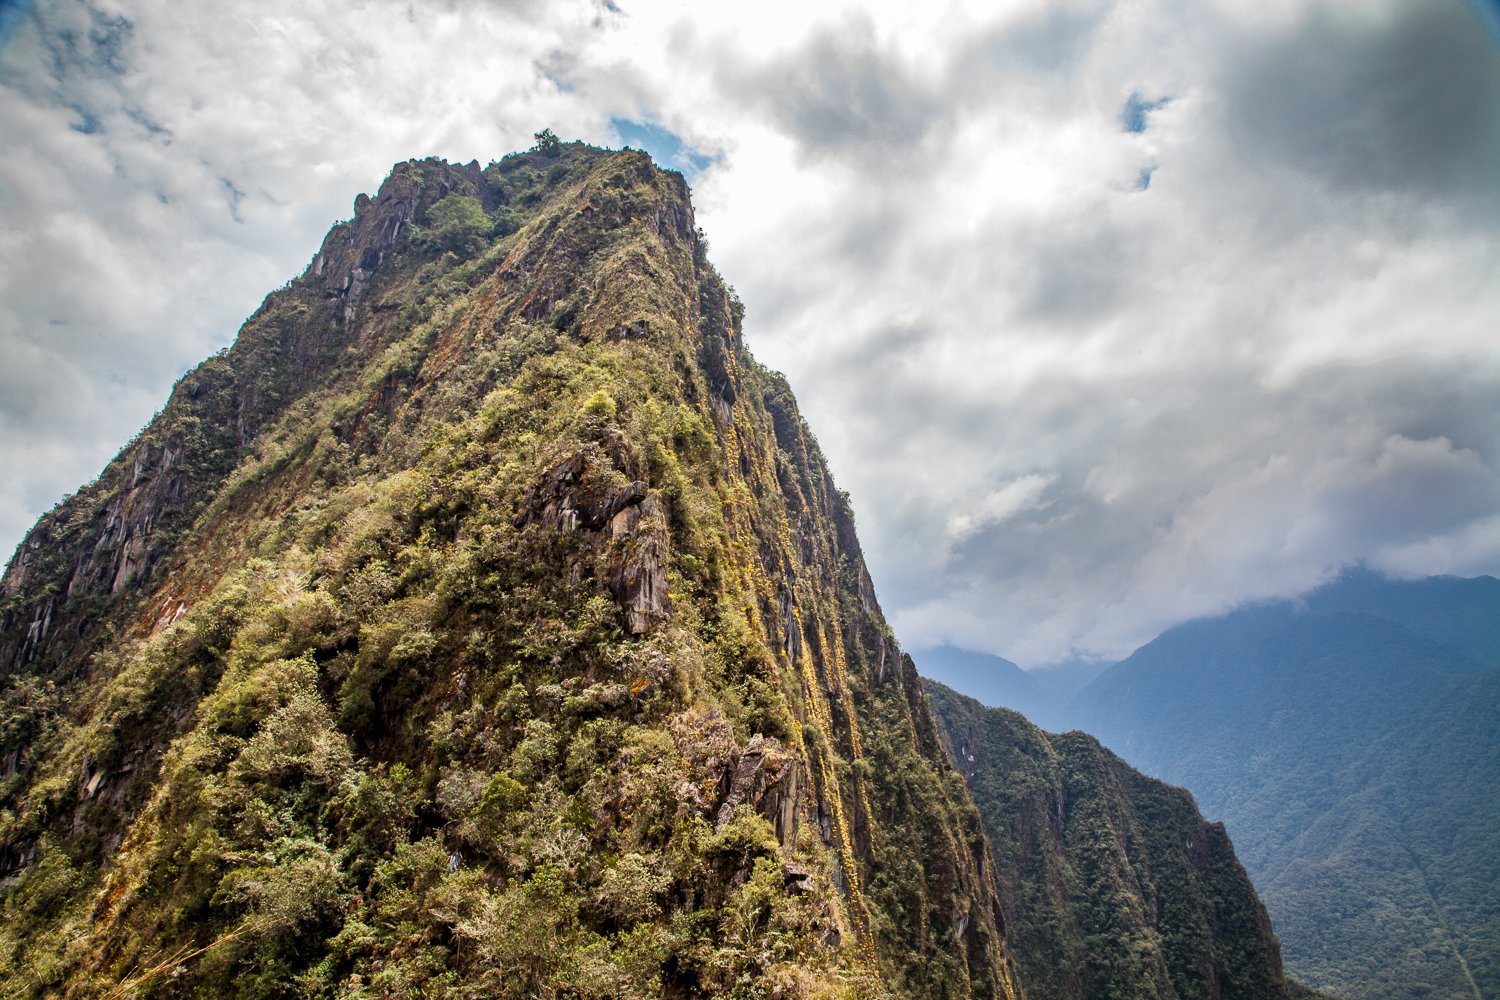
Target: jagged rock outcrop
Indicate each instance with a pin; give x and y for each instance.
(484, 620)
(638, 567)
(766, 777)
(112, 537)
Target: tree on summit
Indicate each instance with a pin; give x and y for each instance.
(547, 142)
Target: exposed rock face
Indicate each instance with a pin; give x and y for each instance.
(577, 493)
(125, 547)
(490, 602)
(638, 567)
(111, 539)
(765, 777)
(353, 252)
(762, 774)
(110, 542)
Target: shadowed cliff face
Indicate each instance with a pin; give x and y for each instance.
(102, 547)
(483, 621)
(1115, 886)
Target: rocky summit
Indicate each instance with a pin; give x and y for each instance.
(485, 623)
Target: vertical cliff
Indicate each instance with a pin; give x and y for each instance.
(483, 622)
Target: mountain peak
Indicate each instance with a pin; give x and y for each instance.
(485, 613)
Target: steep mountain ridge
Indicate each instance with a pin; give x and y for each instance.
(992, 680)
(1042, 695)
(1114, 885)
(115, 531)
(484, 622)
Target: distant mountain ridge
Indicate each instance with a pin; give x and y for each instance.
(1353, 758)
(1458, 611)
(1350, 741)
(993, 680)
(1040, 695)
(1115, 887)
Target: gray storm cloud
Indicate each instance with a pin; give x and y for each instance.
(1072, 407)
(1404, 100)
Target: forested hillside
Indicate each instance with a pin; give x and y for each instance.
(1115, 887)
(1350, 741)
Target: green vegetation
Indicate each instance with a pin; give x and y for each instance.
(503, 636)
(1350, 745)
(458, 224)
(1114, 886)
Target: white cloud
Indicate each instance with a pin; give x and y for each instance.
(997, 508)
(1070, 411)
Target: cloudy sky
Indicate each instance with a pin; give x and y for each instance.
(1108, 313)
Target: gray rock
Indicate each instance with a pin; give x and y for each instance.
(638, 564)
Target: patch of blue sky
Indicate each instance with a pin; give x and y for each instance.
(1488, 12)
(1137, 110)
(1143, 179)
(234, 196)
(88, 123)
(110, 37)
(665, 146)
(145, 121)
(11, 14)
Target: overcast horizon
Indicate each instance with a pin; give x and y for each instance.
(1107, 315)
